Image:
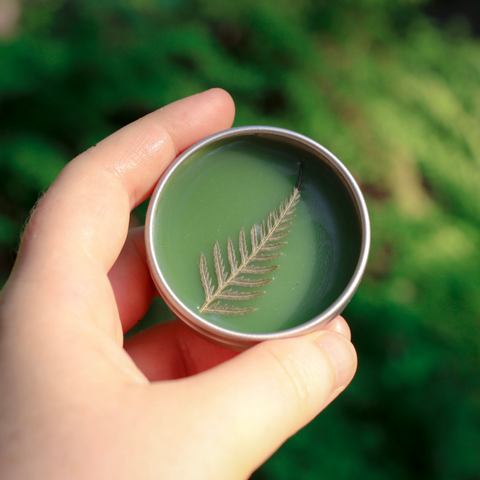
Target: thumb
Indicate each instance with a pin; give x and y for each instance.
(257, 400)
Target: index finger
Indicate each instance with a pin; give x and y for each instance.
(80, 225)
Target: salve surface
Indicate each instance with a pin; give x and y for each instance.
(235, 185)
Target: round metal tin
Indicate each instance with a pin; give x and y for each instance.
(234, 339)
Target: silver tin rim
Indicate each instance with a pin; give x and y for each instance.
(239, 340)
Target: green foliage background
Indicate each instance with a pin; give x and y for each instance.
(392, 93)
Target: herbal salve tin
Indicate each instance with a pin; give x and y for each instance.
(257, 233)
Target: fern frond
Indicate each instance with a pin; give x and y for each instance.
(264, 238)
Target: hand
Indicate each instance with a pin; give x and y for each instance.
(74, 404)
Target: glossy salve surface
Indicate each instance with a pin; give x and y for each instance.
(235, 183)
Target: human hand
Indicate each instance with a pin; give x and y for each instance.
(74, 404)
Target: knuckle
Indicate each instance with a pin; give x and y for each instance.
(297, 375)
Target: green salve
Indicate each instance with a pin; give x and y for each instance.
(235, 184)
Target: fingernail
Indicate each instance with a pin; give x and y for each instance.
(341, 354)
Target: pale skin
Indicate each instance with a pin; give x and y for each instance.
(76, 403)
